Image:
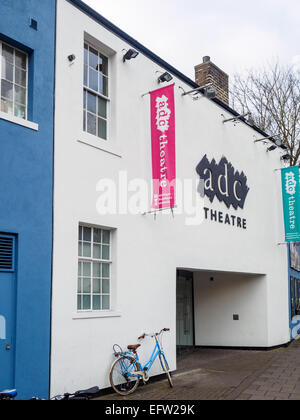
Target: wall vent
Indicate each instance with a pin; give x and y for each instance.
(7, 254)
(34, 24)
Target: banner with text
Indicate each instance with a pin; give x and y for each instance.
(163, 147)
(291, 203)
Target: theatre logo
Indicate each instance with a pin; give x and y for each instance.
(291, 183)
(221, 180)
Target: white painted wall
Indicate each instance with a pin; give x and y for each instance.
(217, 301)
(147, 252)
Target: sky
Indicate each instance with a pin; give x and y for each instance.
(236, 35)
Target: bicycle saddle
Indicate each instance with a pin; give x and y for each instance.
(9, 393)
(134, 347)
(91, 391)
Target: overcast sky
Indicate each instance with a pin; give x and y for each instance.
(237, 35)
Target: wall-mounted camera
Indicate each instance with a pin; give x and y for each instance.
(71, 58)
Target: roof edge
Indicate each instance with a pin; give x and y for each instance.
(155, 58)
(130, 40)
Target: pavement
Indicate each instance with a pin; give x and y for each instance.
(215, 374)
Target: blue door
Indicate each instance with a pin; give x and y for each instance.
(7, 311)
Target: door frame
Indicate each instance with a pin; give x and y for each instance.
(13, 272)
(188, 275)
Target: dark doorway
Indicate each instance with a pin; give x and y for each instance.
(185, 334)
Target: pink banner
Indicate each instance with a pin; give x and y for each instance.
(163, 147)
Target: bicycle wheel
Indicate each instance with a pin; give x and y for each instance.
(119, 376)
(166, 369)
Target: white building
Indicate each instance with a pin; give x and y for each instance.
(223, 282)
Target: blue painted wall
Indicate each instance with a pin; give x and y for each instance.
(296, 275)
(26, 182)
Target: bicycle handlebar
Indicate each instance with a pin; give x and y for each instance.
(142, 337)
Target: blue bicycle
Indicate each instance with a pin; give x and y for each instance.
(127, 372)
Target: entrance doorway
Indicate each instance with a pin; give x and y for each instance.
(7, 311)
(185, 330)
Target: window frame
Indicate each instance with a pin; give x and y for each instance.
(12, 115)
(92, 260)
(87, 89)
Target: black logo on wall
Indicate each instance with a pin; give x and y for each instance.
(224, 182)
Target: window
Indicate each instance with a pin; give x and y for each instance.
(295, 256)
(95, 93)
(293, 305)
(94, 269)
(14, 76)
(295, 296)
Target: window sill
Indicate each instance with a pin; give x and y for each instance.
(100, 144)
(19, 121)
(94, 315)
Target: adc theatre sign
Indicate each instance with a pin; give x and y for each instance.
(221, 180)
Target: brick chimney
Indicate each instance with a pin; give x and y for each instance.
(208, 72)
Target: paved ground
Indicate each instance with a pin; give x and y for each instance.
(206, 374)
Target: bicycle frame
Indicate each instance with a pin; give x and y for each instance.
(146, 368)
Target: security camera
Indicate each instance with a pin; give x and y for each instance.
(71, 58)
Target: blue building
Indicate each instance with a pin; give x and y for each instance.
(27, 46)
(294, 275)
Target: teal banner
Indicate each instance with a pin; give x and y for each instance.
(291, 203)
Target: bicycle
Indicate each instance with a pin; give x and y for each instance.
(86, 394)
(8, 395)
(126, 372)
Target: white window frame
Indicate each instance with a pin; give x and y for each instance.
(93, 260)
(14, 82)
(87, 89)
